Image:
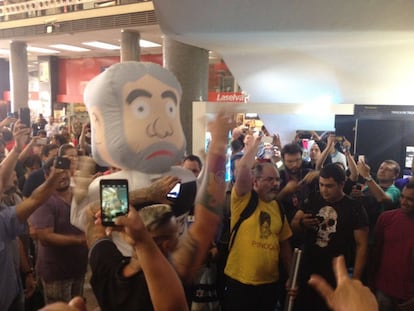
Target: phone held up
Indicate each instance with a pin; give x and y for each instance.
(114, 200)
(62, 162)
(24, 115)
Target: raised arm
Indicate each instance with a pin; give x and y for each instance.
(164, 286)
(194, 245)
(20, 134)
(324, 155)
(243, 182)
(25, 208)
(352, 166)
(365, 171)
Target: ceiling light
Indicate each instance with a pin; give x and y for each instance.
(4, 52)
(68, 47)
(49, 28)
(40, 50)
(148, 44)
(102, 45)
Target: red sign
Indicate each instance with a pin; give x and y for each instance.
(235, 97)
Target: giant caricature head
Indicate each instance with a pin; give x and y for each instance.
(135, 117)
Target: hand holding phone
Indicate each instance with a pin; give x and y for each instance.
(62, 163)
(114, 200)
(24, 115)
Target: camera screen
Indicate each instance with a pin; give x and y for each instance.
(114, 201)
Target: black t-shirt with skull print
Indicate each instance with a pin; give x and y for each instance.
(334, 235)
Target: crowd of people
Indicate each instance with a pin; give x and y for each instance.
(332, 207)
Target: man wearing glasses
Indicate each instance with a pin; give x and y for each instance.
(252, 268)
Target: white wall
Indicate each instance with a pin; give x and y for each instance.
(283, 119)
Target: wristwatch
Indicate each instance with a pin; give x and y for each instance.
(368, 178)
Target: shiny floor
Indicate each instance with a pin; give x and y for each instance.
(91, 303)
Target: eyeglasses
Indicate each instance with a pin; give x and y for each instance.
(269, 179)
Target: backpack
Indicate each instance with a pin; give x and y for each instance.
(226, 238)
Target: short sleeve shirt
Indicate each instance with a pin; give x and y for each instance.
(254, 257)
(335, 234)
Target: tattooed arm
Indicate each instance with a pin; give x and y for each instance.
(194, 246)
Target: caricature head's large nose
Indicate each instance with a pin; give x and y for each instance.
(160, 127)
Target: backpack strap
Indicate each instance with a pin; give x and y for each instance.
(282, 211)
(246, 213)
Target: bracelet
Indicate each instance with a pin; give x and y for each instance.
(368, 178)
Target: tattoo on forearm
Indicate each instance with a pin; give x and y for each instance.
(212, 194)
(185, 254)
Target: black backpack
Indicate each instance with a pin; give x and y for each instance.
(226, 238)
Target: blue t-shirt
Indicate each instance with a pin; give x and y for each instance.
(10, 228)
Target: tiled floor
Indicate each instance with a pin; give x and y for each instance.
(91, 303)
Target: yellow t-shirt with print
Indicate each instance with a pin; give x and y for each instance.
(254, 257)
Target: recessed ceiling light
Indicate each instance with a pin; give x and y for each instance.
(148, 44)
(4, 52)
(68, 47)
(40, 50)
(102, 45)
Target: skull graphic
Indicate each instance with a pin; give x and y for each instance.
(327, 225)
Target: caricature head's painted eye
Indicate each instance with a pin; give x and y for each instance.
(170, 108)
(140, 107)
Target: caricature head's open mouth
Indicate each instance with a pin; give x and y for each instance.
(157, 153)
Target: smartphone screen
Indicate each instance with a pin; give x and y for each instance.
(63, 163)
(114, 199)
(361, 158)
(24, 115)
(173, 194)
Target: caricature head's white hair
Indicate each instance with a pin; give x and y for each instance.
(105, 92)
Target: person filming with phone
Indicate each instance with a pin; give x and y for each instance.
(62, 251)
(117, 281)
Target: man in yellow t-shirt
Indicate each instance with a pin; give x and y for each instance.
(252, 268)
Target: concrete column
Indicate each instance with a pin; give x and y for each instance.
(130, 49)
(190, 65)
(19, 76)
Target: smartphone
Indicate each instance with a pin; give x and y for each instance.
(361, 158)
(24, 115)
(12, 115)
(42, 140)
(174, 193)
(63, 163)
(114, 200)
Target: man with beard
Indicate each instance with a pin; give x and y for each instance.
(62, 251)
(331, 222)
(394, 255)
(379, 196)
(252, 268)
(292, 190)
(384, 192)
